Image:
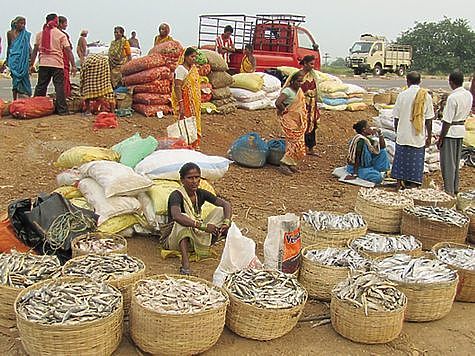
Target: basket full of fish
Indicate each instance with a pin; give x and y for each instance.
(471, 227)
(461, 258)
(174, 314)
(466, 200)
(373, 245)
(329, 229)
(323, 268)
(264, 304)
(70, 316)
(381, 209)
(431, 225)
(98, 243)
(119, 270)
(368, 309)
(430, 197)
(429, 284)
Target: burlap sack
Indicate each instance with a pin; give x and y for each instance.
(220, 79)
(222, 102)
(217, 63)
(221, 93)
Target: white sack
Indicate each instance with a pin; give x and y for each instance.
(271, 83)
(247, 96)
(256, 105)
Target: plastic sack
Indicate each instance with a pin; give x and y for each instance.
(201, 57)
(169, 143)
(255, 105)
(247, 96)
(76, 156)
(249, 150)
(215, 60)
(206, 92)
(147, 76)
(356, 106)
(331, 87)
(208, 108)
(105, 120)
(283, 243)
(185, 129)
(8, 239)
(204, 70)
(220, 79)
(353, 100)
(115, 178)
(239, 253)
(336, 95)
(354, 89)
(271, 83)
(143, 63)
(287, 71)
(32, 108)
(158, 86)
(222, 102)
(146, 205)
(334, 108)
(69, 177)
(118, 223)
(272, 96)
(335, 102)
(276, 151)
(152, 99)
(221, 93)
(68, 191)
(152, 110)
(165, 164)
(170, 49)
(225, 109)
(249, 81)
(134, 149)
(96, 106)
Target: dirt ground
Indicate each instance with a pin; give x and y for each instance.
(29, 148)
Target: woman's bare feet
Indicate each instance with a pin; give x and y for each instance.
(284, 169)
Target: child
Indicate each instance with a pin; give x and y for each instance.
(248, 64)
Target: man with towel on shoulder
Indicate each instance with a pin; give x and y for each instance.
(413, 110)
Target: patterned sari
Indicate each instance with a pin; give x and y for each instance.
(117, 57)
(309, 88)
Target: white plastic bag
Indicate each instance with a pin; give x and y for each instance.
(247, 96)
(283, 243)
(148, 209)
(239, 252)
(255, 105)
(271, 83)
(185, 129)
(69, 177)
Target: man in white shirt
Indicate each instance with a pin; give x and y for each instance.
(412, 113)
(224, 43)
(456, 110)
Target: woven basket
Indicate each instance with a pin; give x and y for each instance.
(374, 255)
(122, 283)
(466, 286)
(379, 217)
(98, 235)
(319, 279)
(471, 229)
(171, 334)
(8, 296)
(441, 204)
(432, 232)
(378, 327)
(98, 337)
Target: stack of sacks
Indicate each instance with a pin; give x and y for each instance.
(247, 90)
(204, 68)
(355, 95)
(220, 81)
(171, 51)
(271, 86)
(152, 82)
(333, 95)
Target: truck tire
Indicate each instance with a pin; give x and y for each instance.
(401, 71)
(357, 71)
(378, 70)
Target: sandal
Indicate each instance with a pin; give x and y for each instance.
(185, 271)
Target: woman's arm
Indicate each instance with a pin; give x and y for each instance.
(179, 95)
(228, 212)
(279, 104)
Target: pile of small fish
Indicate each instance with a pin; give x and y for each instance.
(103, 267)
(270, 289)
(21, 270)
(428, 194)
(407, 269)
(178, 296)
(339, 257)
(322, 220)
(372, 242)
(69, 303)
(432, 213)
(384, 197)
(470, 211)
(370, 292)
(463, 258)
(93, 244)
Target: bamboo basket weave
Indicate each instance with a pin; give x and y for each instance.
(98, 337)
(432, 232)
(319, 279)
(466, 286)
(76, 251)
(8, 296)
(378, 327)
(441, 204)
(172, 334)
(471, 228)
(374, 255)
(123, 283)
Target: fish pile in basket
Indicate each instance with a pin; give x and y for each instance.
(377, 243)
(178, 296)
(384, 197)
(447, 216)
(21, 270)
(463, 258)
(338, 257)
(370, 292)
(103, 267)
(407, 269)
(323, 220)
(270, 289)
(69, 303)
(427, 194)
(92, 244)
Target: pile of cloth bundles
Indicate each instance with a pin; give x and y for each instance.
(254, 91)
(355, 95)
(333, 94)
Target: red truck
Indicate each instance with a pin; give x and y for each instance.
(277, 40)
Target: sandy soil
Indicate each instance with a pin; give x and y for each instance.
(29, 148)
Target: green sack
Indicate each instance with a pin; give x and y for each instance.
(134, 149)
(201, 58)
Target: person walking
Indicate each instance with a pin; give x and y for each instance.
(413, 110)
(81, 49)
(456, 111)
(50, 44)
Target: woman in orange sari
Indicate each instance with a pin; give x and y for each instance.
(291, 107)
(186, 92)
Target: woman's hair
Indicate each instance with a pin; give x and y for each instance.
(248, 47)
(307, 59)
(62, 19)
(120, 29)
(187, 167)
(295, 76)
(189, 51)
(360, 125)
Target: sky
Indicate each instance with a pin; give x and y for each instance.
(335, 24)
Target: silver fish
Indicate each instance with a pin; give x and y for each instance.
(339, 257)
(427, 194)
(93, 244)
(322, 220)
(463, 258)
(373, 242)
(448, 216)
(384, 197)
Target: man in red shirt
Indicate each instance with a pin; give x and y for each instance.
(224, 43)
(50, 43)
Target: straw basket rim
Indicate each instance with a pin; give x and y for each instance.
(379, 253)
(409, 213)
(305, 249)
(329, 230)
(103, 235)
(442, 244)
(373, 312)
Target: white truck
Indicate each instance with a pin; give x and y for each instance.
(375, 54)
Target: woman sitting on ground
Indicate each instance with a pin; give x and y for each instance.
(367, 157)
(187, 230)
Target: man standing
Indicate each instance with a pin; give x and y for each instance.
(63, 25)
(134, 41)
(50, 43)
(224, 43)
(413, 110)
(82, 47)
(457, 109)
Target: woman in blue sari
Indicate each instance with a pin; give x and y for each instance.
(367, 157)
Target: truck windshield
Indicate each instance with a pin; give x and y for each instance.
(361, 47)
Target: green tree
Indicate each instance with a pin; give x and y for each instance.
(441, 46)
(339, 62)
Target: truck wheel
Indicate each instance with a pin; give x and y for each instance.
(357, 71)
(401, 71)
(378, 70)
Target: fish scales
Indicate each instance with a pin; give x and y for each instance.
(427, 194)
(323, 220)
(444, 215)
(383, 197)
(373, 242)
(463, 258)
(338, 257)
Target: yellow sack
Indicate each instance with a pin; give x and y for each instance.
(76, 156)
(356, 107)
(208, 108)
(81, 203)
(204, 80)
(470, 124)
(118, 223)
(330, 86)
(68, 191)
(249, 81)
(288, 71)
